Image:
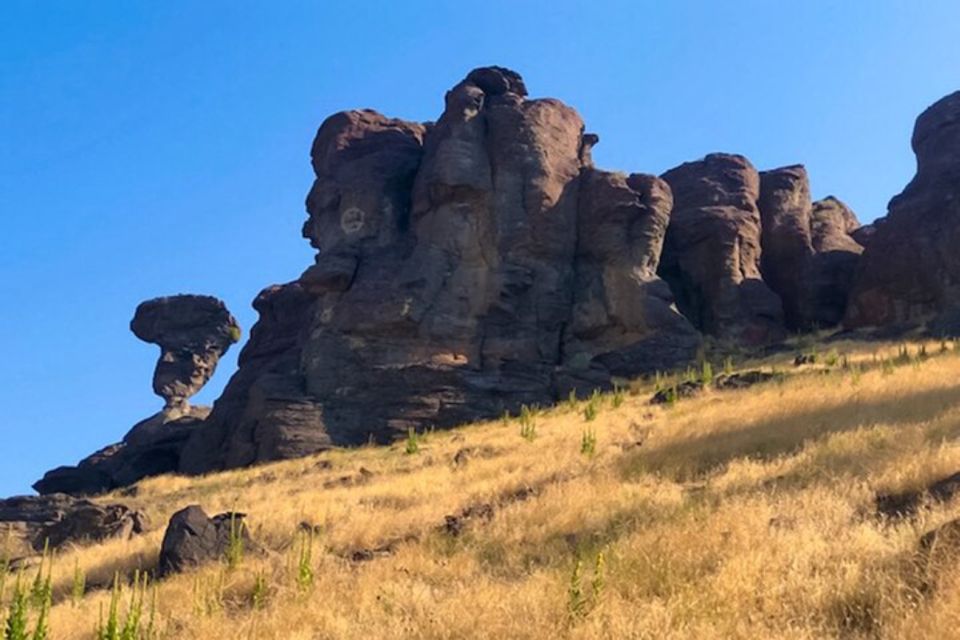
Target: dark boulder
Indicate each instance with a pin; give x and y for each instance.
(193, 539)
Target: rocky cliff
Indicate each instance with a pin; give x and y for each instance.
(470, 266)
(910, 271)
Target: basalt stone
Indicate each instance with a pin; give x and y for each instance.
(193, 539)
(464, 268)
(809, 256)
(57, 520)
(193, 332)
(910, 271)
(711, 255)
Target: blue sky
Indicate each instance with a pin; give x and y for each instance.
(151, 148)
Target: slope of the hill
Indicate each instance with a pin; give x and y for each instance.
(735, 514)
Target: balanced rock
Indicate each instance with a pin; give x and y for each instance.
(910, 271)
(711, 257)
(192, 332)
(465, 268)
(192, 539)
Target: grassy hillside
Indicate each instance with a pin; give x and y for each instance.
(736, 514)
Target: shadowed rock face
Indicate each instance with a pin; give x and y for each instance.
(711, 257)
(910, 270)
(808, 256)
(192, 332)
(464, 268)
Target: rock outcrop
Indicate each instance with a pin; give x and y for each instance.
(711, 257)
(465, 268)
(193, 333)
(33, 522)
(809, 256)
(910, 271)
(480, 263)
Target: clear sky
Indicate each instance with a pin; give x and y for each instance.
(151, 148)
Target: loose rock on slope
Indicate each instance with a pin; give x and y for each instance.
(192, 539)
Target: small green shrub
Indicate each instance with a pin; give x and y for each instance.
(15, 627)
(832, 358)
(706, 373)
(588, 443)
(79, 587)
(592, 407)
(258, 598)
(413, 442)
(580, 600)
(131, 627)
(572, 400)
(728, 365)
(618, 396)
(233, 555)
(305, 574)
(528, 425)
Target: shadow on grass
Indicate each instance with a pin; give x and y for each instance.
(766, 439)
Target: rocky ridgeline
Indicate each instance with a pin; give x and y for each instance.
(472, 265)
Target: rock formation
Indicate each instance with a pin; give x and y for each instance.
(465, 268)
(808, 256)
(479, 263)
(32, 522)
(910, 271)
(193, 333)
(711, 257)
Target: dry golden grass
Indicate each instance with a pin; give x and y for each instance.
(743, 514)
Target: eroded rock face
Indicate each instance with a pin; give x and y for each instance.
(464, 268)
(711, 257)
(910, 272)
(624, 318)
(809, 256)
(193, 332)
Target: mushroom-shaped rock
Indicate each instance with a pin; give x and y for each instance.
(192, 332)
(192, 539)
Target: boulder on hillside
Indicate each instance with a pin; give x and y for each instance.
(910, 271)
(711, 256)
(193, 539)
